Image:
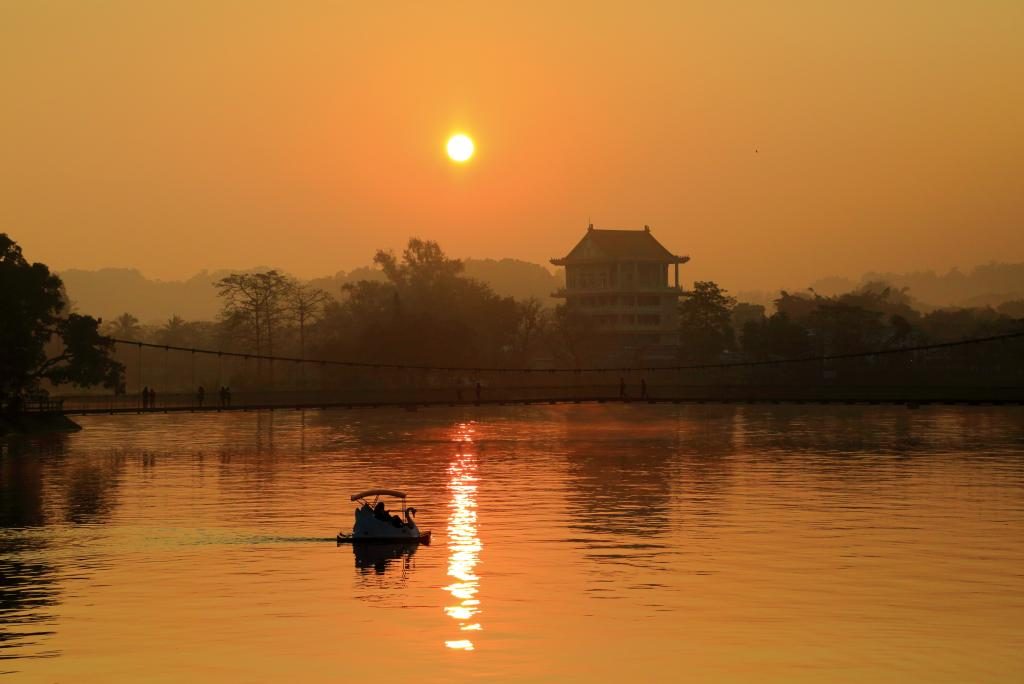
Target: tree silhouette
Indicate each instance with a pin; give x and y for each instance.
(39, 341)
(255, 301)
(426, 312)
(174, 331)
(306, 304)
(125, 327)
(705, 322)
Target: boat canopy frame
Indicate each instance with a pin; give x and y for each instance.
(377, 493)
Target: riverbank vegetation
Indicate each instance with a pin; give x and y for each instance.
(43, 343)
(421, 308)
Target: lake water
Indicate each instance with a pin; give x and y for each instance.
(571, 543)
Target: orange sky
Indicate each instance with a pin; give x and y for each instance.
(773, 143)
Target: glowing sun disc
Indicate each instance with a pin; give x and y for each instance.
(460, 147)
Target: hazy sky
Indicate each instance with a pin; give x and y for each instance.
(773, 142)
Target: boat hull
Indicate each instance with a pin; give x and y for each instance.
(423, 538)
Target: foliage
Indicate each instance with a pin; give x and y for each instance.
(574, 339)
(124, 327)
(306, 305)
(419, 307)
(426, 312)
(776, 337)
(705, 323)
(39, 340)
(255, 303)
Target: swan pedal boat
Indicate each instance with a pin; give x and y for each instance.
(370, 529)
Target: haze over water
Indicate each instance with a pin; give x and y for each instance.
(571, 543)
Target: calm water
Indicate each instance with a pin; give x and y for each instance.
(579, 543)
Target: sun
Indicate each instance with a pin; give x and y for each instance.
(460, 147)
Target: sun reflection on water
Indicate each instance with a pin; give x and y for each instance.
(463, 543)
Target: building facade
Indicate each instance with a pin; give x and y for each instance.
(620, 280)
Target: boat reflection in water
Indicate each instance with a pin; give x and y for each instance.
(463, 542)
(380, 556)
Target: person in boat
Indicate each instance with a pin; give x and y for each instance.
(381, 513)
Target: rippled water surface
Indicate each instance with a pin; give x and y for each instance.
(574, 543)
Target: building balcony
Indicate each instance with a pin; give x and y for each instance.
(564, 292)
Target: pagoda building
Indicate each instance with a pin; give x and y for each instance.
(620, 280)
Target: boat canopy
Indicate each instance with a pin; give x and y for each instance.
(378, 492)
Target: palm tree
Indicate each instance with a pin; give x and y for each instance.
(125, 327)
(174, 331)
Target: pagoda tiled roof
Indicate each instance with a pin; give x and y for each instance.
(620, 245)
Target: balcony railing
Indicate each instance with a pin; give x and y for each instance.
(564, 292)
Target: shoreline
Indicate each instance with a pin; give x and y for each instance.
(36, 423)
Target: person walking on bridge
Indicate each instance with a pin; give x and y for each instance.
(152, 398)
(200, 396)
(643, 388)
(145, 397)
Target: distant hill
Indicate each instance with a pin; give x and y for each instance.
(110, 292)
(514, 278)
(990, 284)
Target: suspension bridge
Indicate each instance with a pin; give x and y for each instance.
(168, 378)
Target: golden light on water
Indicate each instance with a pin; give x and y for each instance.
(460, 147)
(461, 644)
(463, 543)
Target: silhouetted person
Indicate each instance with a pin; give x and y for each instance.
(381, 513)
(222, 395)
(200, 396)
(478, 390)
(643, 388)
(145, 397)
(622, 388)
(152, 398)
(227, 396)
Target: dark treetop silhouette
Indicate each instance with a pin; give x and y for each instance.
(39, 339)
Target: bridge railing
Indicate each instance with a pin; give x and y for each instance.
(38, 404)
(557, 392)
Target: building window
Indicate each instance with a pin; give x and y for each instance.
(648, 300)
(649, 319)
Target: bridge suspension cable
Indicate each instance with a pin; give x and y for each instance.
(592, 369)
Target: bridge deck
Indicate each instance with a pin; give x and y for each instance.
(427, 403)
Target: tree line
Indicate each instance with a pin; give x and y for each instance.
(425, 311)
